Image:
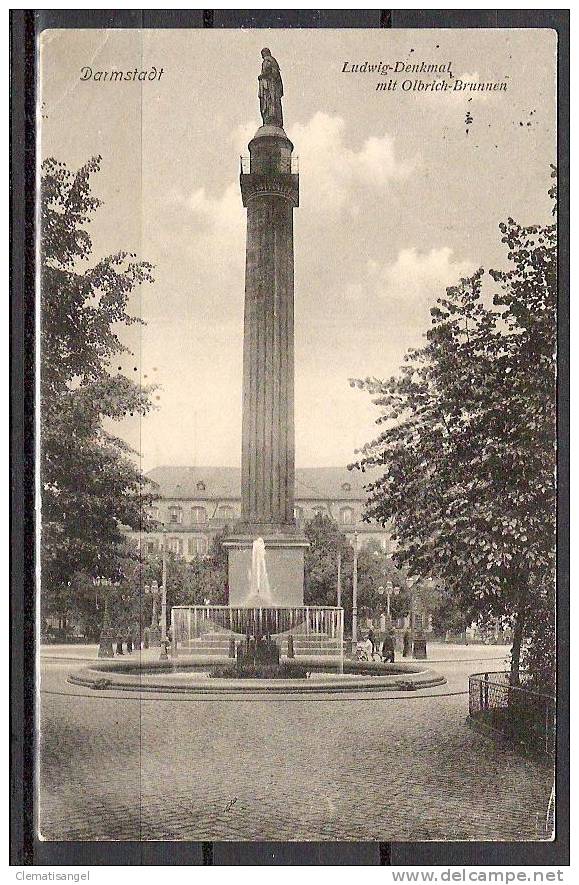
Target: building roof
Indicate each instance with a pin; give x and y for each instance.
(313, 483)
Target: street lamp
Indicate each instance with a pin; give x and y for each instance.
(389, 591)
(164, 597)
(355, 596)
(106, 639)
(411, 582)
(387, 588)
(153, 590)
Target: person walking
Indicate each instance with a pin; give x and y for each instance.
(406, 640)
(388, 648)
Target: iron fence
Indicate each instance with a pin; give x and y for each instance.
(518, 712)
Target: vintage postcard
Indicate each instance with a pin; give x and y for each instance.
(297, 366)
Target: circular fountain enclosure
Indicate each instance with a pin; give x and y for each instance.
(194, 677)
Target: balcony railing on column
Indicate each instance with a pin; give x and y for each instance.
(293, 166)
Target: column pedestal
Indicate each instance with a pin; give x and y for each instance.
(284, 558)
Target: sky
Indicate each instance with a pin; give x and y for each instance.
(397, 201)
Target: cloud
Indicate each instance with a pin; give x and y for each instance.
(221, 212)
(217, 229)
(400, 294)
(242, 135)
(334, 173)
(419, 277)
(334, 177)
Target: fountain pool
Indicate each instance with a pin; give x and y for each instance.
(203, 677)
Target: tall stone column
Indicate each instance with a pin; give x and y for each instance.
(270, 192)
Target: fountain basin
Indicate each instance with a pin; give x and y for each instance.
(191, 677)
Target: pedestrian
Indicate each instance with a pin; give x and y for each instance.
(388, 648)
(367, 649)
(371, 638)
(406, 641)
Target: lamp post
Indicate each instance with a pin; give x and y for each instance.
(154, 628)
(164, 598)
(389, 591)
(355, 596)
(339, 580)
(380, 591)
(387, 588)
(412, 581)
(106, 640)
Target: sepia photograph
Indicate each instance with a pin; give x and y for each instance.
(297, 435)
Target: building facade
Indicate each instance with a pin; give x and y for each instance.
(197, 503)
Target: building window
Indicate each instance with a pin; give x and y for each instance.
(197, 546)
(200, 486)
(151, 546)
(224, 512)
(346, 516)
(346, 487)
(175, 515)
(298, 513)
(319, 511)
(198, 515)
(418, 622)
(153, 514)
(175, 545)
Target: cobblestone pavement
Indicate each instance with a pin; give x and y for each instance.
(115, 766)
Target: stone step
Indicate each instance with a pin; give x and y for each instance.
(216, 645)
(203, 652)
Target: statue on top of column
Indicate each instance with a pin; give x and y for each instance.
(270, 91)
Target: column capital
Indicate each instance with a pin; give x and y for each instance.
(278, 184)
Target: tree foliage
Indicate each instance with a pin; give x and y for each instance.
(375, 570)
(90, 483)
(327, 542)
(466, 450)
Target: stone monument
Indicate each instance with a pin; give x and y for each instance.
(270, 193)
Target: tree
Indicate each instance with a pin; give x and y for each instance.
(375, 570)
(327, 542)
(447, 614)
(206, 577)
(466, 452)
(90, 484)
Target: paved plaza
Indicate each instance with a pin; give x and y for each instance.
(115, 766)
